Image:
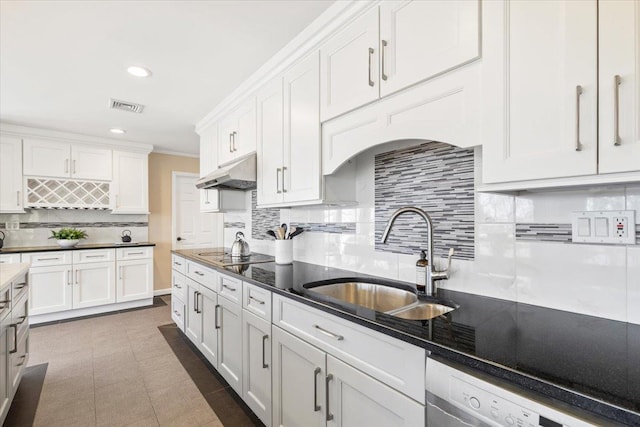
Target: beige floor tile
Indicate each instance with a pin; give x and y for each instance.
(123, 403)
(78, 412)
(60, 393)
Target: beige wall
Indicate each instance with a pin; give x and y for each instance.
(161, 166)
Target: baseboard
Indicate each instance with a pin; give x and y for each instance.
(158, 292)
(69, 314)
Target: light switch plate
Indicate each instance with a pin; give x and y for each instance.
(605, 227)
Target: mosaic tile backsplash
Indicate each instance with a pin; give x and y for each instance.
(435, 177)
(262, 219)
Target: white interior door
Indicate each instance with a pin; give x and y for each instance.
(192, 228)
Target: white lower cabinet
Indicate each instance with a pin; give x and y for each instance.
(135, 280)
(256, 365)
(312, 388)
(208, 343)
(93, 284)
(230, 343)
(192, 318)
(50, 289)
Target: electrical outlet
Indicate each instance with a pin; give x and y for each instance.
(604, 227)
(12, 225)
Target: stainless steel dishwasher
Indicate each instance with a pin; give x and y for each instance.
(458, 397)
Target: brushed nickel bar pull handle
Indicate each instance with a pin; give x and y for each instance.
(95, 256)
(264, 362)
(47, 259)
(283, 169)
(199, 273)
(371, 82)
(234, 133)
(256, 300)
(177, 263)
(199, 305)
(15, 338)
(329, 333)
(22, 319)
(24, 358)
(68, 277)
(120, 272)
(229, 287)
(617, 81)
(316, 407)
(328, 380)
(215, 315)
(382, 54)
(177, 313)
(77, 280)
(74, 167)
(19, 286)
(195, 301)
(278, 170)
(135, 253)
(66, 165)
(230, 146)
(578, 93)
(18, 197)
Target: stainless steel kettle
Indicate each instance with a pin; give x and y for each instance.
(240, 248)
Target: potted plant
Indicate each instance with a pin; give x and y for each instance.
(68, 237)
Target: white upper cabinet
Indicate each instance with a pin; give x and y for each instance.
(90, 163)
(420, 39)
(10, 174)
(270, 141)
(301, 171)
(619, 86)
(65, 160)
(130, 186)
(349, 67)
(237, 132)
(541, 88)
(208, 150)
(289, 137)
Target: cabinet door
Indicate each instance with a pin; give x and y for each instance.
(18, 361)
(208, 150)
(256, 365)
(270, 140)
(208, 305)
(193, 319)
(298, 382)
(130, 185)
(230, 343)
(225, 139)
(4, 365)
(178, 312)
(356, 399)
(135, 280)
(46, 158)
(421, 39)
(245, 139)
(619, 94)
(94, 284)
(10, 174)
(50, 289)
(545, 90)
(90, 163)
(301, 175)
(349, 67)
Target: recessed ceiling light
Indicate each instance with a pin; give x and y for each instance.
(118, 131)
(138, 71)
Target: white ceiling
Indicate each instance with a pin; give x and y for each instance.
(61, 61)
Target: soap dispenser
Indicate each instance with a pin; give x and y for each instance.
(421, 271)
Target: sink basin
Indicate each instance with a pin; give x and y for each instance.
(423, 311)
(370, 295)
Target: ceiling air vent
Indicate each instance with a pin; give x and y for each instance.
(126, 106)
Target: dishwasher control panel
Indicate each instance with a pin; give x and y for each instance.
(467, 398)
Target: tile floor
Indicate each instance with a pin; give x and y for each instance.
(120, 370)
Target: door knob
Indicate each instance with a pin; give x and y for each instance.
(180, 238)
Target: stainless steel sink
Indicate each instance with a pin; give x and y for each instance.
(423, 311)
(371, 295)
(394, 301)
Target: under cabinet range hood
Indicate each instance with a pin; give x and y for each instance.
(238, 175)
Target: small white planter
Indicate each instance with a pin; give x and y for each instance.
(67, 243)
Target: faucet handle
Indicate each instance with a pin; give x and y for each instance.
(444, 274)
(451, 252)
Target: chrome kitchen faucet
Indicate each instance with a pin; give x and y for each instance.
(431, 274)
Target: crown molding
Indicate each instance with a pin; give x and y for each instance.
(336, 17)
(175, 153)
(54, 135)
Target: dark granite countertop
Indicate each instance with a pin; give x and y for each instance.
(78, 247)
(588, 362)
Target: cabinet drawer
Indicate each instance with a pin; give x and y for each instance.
(177, 312)
(94, 255)
(179, 264)
(134, 253)
(5, 302)
(42, 259)
(230, 287)
(9, 258)
(20, 316)
(19, 288)
(178, 285)
(257, 300)
(201, 274)
(391, 361)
